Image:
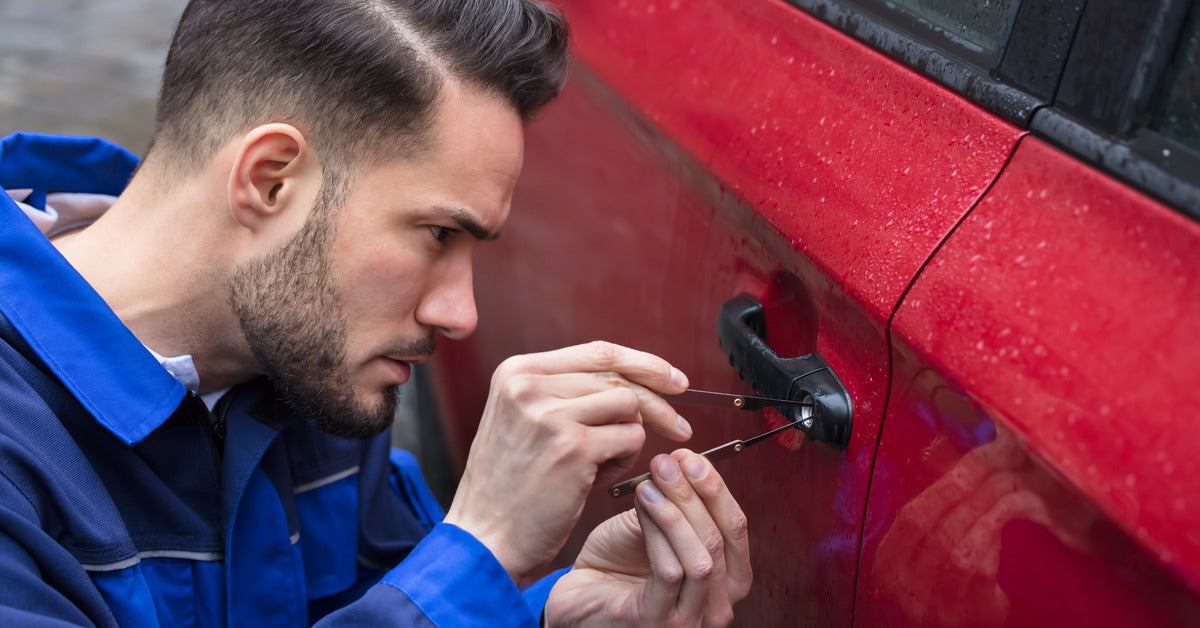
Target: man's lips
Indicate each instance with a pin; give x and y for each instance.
(400, 370)
(420, 359)
(401, 367)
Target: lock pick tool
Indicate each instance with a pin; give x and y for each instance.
(733, 447)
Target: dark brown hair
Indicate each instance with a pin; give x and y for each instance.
(357, 77)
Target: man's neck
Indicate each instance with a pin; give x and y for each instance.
(161, 262)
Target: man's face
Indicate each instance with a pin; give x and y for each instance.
(338, 315)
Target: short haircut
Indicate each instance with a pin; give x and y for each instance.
(359, 78)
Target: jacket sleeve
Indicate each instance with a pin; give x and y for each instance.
(43, 584)
(450, 579)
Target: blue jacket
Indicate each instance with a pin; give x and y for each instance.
(124, 501)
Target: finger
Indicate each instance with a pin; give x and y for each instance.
(615, 405)
(612, 434)
(659, 416)
(950, 489)
(727, 515)
(718, 610)
(655, 413)
(666, 573)
(695, 537)
(959, 518)
(643, 368)
(648, 407)
(979, 547)
(617, 441)
(578, 384)
(1002, 453)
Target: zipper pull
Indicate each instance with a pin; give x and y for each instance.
(219, 412)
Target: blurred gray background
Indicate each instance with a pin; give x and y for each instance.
(85, 67)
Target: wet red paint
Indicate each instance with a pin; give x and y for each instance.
(708, 148)
(704, 149)
(859, 163)
(1037, 459)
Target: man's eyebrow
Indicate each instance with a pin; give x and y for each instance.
(467, 222)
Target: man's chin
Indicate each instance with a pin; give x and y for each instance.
(355, 419)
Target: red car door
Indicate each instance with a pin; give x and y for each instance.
(706, 149)
(1038, 459)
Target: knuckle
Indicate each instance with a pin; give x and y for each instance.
(612, 380)
(738, 527)
(703, 568)
(628, 400)
(707, 488)
(520, 388)
(637, 434)
(603, 353)
(672, 574)
(566, 444)
(661, 370)
(715, 544)
(498, 377)
(510, 366)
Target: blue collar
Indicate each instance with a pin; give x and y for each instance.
(54, 309)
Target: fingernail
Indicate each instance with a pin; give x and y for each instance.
(695, 468)
(678, 378)
(669, 470)
(650, 492)
(684, 426)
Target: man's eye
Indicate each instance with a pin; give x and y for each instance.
(441, 234)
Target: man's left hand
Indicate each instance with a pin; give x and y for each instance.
(680, 558)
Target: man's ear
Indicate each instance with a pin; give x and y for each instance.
(273, 181)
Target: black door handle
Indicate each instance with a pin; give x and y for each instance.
(741, 330)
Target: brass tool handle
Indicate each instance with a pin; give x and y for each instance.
(731, 401)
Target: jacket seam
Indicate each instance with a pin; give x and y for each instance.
(16, 486)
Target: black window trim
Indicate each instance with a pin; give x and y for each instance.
(937, 53)
(1114, 136)
(1005, 83)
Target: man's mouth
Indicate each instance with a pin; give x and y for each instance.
(401, 370)
(420, 359)
(405, 356)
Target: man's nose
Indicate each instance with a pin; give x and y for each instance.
(449, 305)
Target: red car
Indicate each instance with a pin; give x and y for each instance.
(967, 229)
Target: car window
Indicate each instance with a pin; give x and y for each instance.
(980, 22)
(966, 45)
(1094, 77)
(1179, 116)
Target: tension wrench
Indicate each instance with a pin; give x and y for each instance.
(733, 447)
(720, 452)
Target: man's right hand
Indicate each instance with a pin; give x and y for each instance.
(556, 423)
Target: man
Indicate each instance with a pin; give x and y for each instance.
(198, 374)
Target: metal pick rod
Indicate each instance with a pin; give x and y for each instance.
(729, 400)
(720, 452)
